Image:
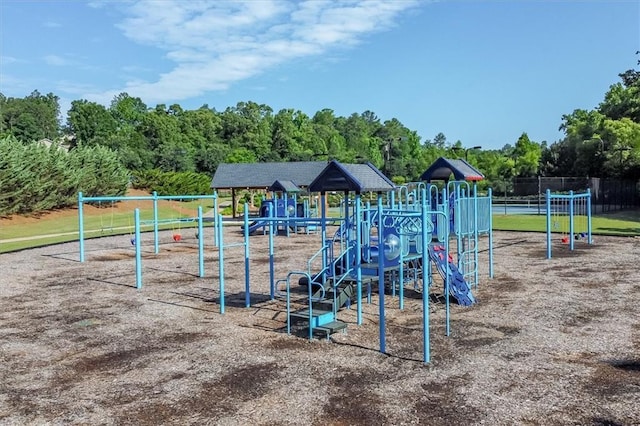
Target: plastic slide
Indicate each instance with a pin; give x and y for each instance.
(458, 287)
(255, 225)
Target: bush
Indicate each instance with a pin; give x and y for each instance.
(172, 183)
(35, 178)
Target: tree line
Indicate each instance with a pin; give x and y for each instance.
(602, 142)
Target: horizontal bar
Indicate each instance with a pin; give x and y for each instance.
(149, 197)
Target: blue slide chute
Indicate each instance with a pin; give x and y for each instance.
(458, 287)
(255, 225)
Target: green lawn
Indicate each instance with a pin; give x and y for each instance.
(626, 223)
(63, 229)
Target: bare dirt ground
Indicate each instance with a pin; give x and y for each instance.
(550, 341)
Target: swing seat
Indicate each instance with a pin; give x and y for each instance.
(565, 240)
(177, 237)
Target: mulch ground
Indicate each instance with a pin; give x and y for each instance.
(550, 341)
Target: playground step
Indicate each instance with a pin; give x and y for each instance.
(332, 327)
(319, 317)
(328, 329)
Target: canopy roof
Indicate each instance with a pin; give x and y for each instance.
(263, 175)
(443, 168)
(351, 177)
(284, 186)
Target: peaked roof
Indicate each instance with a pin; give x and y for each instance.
(263, 175)
(351, 177)
(284, 186)
(442, 168)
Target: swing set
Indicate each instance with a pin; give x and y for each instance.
(570, 216)
(175, 223)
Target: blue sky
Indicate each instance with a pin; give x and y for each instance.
(481, 72)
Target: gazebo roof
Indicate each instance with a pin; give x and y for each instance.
(352, 178)
(263, 175)
(284, 186)
(443, 168)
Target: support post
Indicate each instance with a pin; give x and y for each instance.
(589, 238)
(247, 289)
(81, 226)
(426, 349)
(136, 220)
(272, 279)
(383, 344)
(571, 224)
(221, 261)
(200, 244)
(548, 205)
(358, 259)
(156, 244)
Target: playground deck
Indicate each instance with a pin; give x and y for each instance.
(550, 341)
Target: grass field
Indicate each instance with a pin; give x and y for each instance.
(624, 223)
(20, 233)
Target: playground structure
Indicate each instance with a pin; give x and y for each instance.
(285, 206)
(570, 216)
(392, 244)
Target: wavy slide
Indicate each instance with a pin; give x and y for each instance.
(458, 287)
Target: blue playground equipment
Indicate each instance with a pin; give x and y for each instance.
(570, 216)
(283, 207)
(390, 244)
(137, 243)
(155, 222)
(393, 240)
(136, 240)
(460, 289)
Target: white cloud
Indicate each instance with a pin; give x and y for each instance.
(215, 44)
(73, 87)
(5, 60)
(52, 24)
(55, 60)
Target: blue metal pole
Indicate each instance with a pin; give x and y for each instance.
(426, 349)
(221, 261)
(215, 219)
(289, 305)
(475, 235)
(247, 286)
(156, 242)
(136, 219)
(323, 233)
(490, 194)
(358, 259)
(272, 279)
(383, 345)
(285, 199)
(589, 239)
(548, 207)
(571, 224)
(447, 269)
(81, 226)
(200, 244)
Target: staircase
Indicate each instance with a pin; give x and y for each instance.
(328, 291)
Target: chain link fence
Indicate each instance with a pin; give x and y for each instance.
(607, 195)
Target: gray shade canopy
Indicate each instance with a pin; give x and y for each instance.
(350, 178)
(284, 186)
(263, 175)
(443, 168)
